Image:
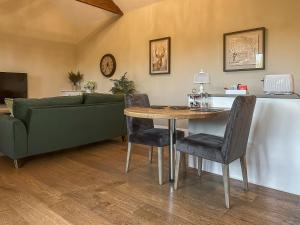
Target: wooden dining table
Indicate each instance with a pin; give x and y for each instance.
(173, 113)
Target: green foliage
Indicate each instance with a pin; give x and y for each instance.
(75, 78)
(123, 86)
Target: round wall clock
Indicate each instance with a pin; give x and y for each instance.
(108, 65)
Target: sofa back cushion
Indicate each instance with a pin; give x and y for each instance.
(21, 106)
(99, 98)
(56, 128)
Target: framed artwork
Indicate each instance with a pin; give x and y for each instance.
(244, 50)
(160, 56)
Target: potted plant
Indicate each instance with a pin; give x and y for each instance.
(123, 86)
(75, 79)
(90, 86)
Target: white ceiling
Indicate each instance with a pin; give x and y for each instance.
(57, 20)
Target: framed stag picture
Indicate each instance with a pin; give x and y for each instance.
(160, 56)
(244, 50)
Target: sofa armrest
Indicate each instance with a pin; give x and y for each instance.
(13, 137)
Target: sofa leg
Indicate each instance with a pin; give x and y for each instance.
(123, 139)
(17, 163)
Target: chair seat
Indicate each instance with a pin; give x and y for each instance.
(153, 137)
(202, 145)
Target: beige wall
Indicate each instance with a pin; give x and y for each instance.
(46, 63)
(196, 28)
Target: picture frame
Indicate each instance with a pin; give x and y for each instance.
(160, 56)
(244, 50)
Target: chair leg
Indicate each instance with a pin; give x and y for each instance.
(150, 153)
(225, 169)
(17, 163)
(199, 166)
(160, 165)
(244, 172)
(128, 156)
(184, 161)
(177, 168)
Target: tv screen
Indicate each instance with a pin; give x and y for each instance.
(12, 85)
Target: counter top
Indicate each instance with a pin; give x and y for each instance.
(293, 96)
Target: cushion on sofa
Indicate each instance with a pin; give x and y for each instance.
(21, 105)
(9, 102)
(97, 98)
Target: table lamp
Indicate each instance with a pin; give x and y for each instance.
(201, 78)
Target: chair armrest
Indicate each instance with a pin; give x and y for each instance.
(13, 137)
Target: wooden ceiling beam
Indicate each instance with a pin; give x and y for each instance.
(107, 5)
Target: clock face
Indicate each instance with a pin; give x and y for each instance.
(108, 65)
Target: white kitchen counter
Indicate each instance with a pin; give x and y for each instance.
(273, 152)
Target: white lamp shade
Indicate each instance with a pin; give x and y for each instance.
(201, 78)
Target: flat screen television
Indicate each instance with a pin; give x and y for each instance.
(12, 85)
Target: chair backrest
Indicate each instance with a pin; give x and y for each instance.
(137, 124)
(238, 128)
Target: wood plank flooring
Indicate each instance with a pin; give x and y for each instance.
(87, 185)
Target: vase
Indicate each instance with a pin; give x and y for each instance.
(77, 87)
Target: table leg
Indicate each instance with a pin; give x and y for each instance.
(172, 132)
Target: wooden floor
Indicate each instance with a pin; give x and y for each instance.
(88, 186)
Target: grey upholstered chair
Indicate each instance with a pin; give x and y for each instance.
(222, 149)
(142, 131)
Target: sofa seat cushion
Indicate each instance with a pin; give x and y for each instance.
(98, 98)
(21, 106)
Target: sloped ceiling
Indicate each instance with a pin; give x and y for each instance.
(66, 21)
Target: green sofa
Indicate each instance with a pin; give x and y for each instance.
(51, 124)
